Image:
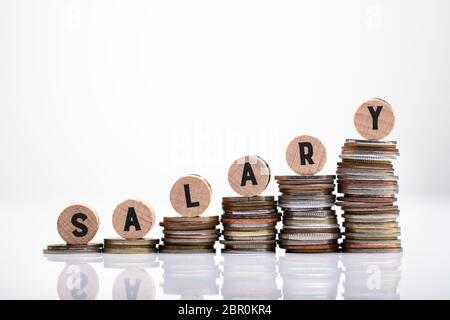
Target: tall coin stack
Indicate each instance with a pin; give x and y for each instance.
(190, 196)
(309, 221)
(368, 184)
(249, 222)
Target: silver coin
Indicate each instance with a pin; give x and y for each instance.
(306, 178)
(309, 236)
(371, 142)
(309, 214)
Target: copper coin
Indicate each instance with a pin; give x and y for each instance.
(248, 199)
(250, 221)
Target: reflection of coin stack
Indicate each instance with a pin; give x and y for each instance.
(134, 282)
(78, 280)
(310, 277)
(309, 222)
(372, 276)
(189, 234)
(250, 277)
(194, 279)
(249, 223)
(368, 184)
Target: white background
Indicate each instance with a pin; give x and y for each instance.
(105, 100)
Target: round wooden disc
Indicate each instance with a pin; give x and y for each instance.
(133, 219)
(249, 176)
(306, 145)
(190, 195)
(374, 119)
(78, 224)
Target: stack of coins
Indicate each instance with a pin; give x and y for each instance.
(189, 234)
(249, 224)
(369, 186)
(123, 246)
(309, 221)
(73, 248)
(307, 200)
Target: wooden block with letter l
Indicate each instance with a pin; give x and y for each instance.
(190, 195)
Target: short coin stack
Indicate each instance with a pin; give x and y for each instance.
(249, 224)
(369, 186)
(123, 246)
(309, 221)
(73, 248)
(189, 234)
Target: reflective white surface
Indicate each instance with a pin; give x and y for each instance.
(245, 276)
(421, 271)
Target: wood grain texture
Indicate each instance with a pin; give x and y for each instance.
(145, 216)
(364, 120)
(73, 234)
(319, 155)
(200, 195)
(261, 174)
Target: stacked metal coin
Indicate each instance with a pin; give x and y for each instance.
(309, 221)
(189, 234)
(249, 224)
(73, 248)
(369, 186)
(130, 246)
